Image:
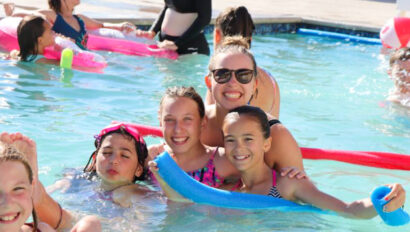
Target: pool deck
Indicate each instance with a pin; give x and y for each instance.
(368, 15)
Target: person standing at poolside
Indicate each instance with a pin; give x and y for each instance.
(238, 21)
(180, 26)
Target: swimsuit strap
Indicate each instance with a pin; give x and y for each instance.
(273, 122)
(273, 192)
(208, 174)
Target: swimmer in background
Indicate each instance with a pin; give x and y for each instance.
(34, 34)
(180, 26)
(23, 194)
(400, 74)
(64, 22)
(238, 21)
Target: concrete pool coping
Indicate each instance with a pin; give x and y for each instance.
(361, 15)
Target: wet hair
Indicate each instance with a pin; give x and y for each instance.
(28, 32)
(233, 45)
(254, 112)
(236, 21)
(55, 5)
(182, 91)
(140, 147)
(401, 54)
(10, 153)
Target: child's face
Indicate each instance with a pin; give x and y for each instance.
(401, 75)
(117, 161)
(181, 123)
(15, 196)
(232, 94)
(47, 38)
(244, 143)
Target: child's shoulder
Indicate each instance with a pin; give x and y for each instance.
(42, 226)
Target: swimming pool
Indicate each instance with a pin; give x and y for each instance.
(333, 96)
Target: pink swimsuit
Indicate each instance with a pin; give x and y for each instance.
(208, 174)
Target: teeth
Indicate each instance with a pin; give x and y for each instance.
(178, 140)
(232, 95)
(241, 157)
(7, 218)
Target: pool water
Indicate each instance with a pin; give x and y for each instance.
(332, 96)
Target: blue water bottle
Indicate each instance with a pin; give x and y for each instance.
(396, 218)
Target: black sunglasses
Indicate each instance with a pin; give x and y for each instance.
(223, 75)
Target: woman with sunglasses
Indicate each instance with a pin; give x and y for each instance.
(233, 81)
(237, 21)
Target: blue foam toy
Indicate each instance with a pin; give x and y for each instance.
(396, 218)
(335, 35)
(197, 192)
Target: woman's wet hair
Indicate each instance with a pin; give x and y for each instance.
(256, 113)
(400, 55)
(28, 32)
(233, 45)
(55, 5)
(188, 92)
(236, 21)
(140, 147)
(11, 154)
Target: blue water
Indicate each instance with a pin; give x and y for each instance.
(332, 96)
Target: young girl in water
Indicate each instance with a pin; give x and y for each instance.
(23, 194)
(233, 82)
(182, 118)
(246, 132)
(34, 34)
(238, 21)
(64, 22)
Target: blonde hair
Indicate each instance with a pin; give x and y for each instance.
(233, 45)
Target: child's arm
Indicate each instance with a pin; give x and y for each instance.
(169, 192)
(94, 24)
(305, 191)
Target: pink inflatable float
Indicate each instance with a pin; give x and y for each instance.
(116, 41)
(365, 158)
(396, 33)
(81, 58)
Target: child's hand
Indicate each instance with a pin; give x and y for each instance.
(87, 224)
(127, 27)
(292, 172)
(153, 167)
(397, 197)
(155, 150)
(145, 34)
(167, 44)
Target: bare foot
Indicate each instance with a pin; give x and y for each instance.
(28, 148)
(8, 8)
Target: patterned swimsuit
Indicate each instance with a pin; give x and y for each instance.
(273, 191)
(208, 174)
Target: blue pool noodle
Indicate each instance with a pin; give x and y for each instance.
(335, 35)
(396, 218)
(197, 192)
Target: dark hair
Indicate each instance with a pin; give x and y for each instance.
(236, 21)
(140, 147)
(10, 153)
(55, 5)
(233, 44)
(256, 113)
(28, 32)
(188, 92)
